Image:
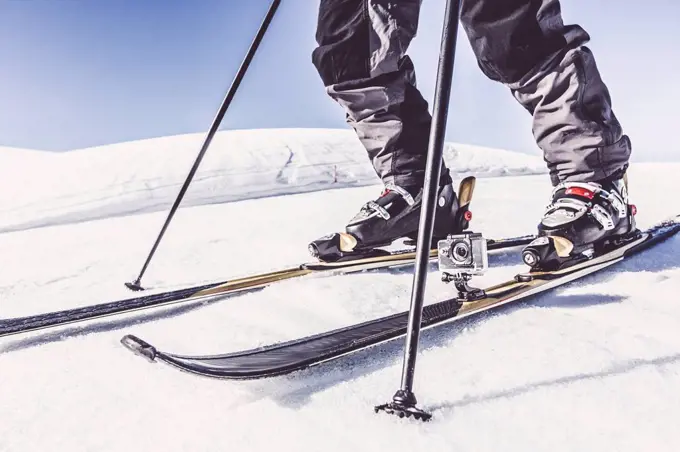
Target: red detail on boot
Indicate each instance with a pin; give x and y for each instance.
(579, 191)
(467, 215)
(385, 193)
(633, 209)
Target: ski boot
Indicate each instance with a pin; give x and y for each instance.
(583, 220)
(393, 216)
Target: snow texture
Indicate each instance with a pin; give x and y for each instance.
(592, 366)
(146, 175)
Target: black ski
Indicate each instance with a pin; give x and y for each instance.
(301, 353)
(250, 283)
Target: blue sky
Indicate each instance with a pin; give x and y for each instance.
(80, 73)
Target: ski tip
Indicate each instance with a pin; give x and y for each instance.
(134, 286)
(139, 347)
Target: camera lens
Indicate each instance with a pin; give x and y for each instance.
(460, 251)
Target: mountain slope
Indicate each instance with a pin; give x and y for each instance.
(146, 175)
(591, 366)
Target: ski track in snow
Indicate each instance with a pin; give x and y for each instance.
(591, 366)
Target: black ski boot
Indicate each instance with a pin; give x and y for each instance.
(395, 215)
(580, 222)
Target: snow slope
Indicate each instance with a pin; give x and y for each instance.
(146, 175)
(593, 366)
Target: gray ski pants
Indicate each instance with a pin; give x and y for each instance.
(524, 44)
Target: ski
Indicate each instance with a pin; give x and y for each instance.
(20, 325)
(298, 354)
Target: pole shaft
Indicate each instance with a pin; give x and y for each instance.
(215, 125)
(432, 175)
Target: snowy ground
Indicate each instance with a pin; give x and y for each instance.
(592, 366)
(145, 175)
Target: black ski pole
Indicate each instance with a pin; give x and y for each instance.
(404, 401)
(136, 284)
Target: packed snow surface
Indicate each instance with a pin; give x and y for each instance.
(594, 365)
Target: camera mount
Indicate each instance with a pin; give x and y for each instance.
(461, 257)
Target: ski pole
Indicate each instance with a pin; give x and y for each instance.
(136, 284)
(404, 400)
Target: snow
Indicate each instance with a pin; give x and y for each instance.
(591, 366)
(146, 175)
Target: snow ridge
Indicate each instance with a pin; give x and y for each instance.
(145, 176)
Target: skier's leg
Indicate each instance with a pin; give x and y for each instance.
(361, 58)
(362, 61)
(525, 45)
